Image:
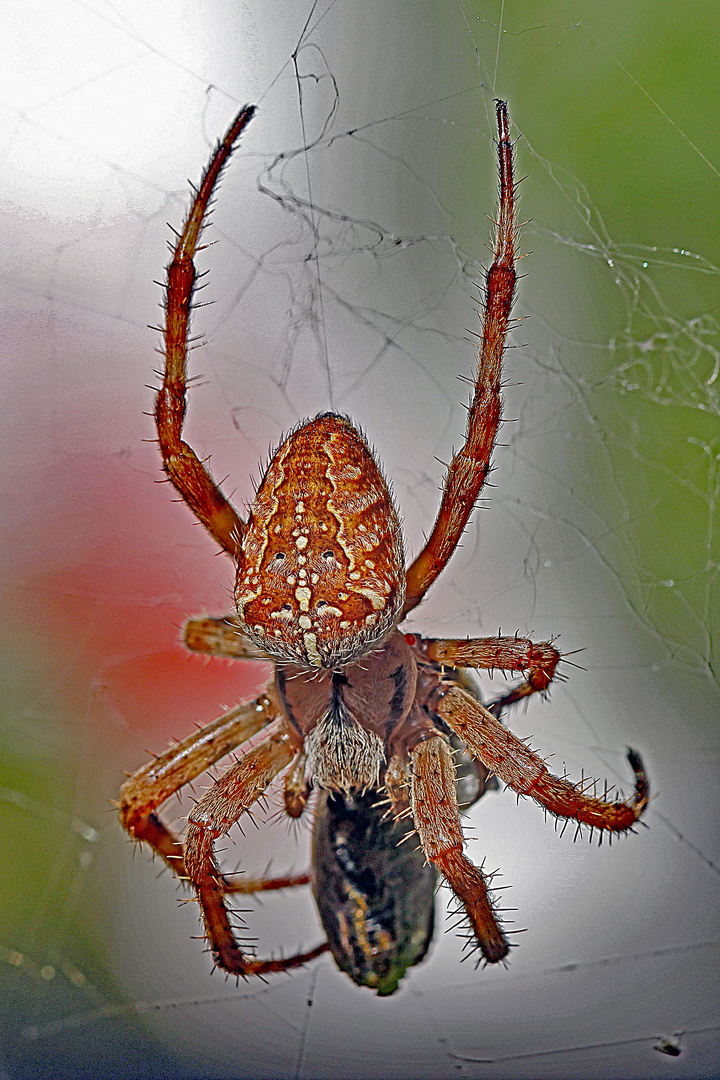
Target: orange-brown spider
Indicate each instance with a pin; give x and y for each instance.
(321, 587)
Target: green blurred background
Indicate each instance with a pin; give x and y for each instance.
(618, 105)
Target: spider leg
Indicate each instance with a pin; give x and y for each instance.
(212, 816)
(256, 885)
(220, 637)
(525, 772)
(223, 637)
(144, 792)
(469, 467)
(537, 661)
(296, 795)
(437, 819)
(187, 473)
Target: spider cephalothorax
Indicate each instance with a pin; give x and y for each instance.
(355, 705)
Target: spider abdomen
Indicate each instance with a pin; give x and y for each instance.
(320, 576)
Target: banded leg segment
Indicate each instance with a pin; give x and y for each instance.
(525, 772)
(220, 637)
(469, 468)
(144, 792)
(437, 819)
(213, 816)
(537, 661)
(187, 473)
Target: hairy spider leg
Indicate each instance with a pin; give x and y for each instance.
(437, 820)
(212, 816)
(469, 467)
(516, 765)
(189, 475)
(220, 637)
(147, 789)
(537, 661)
(223, 637)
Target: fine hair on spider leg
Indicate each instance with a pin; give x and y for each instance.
(356, 708)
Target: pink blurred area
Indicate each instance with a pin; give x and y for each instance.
(102, 567)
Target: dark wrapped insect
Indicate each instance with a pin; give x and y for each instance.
(373, 886)
(375, 894)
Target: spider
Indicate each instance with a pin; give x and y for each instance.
(355, 704)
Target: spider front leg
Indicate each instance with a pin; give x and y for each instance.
(469, 468)
(186, 472)
(147, 789)
(537, 661)
(437, 819)
(212, 816)
(516, 765)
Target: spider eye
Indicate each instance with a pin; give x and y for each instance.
(321, 604)
(286, 607)
(329, 554)
(279, 556)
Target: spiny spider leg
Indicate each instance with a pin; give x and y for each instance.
(525, 772)
(212, 816)
(220, 637)
(437, 820)
(255, 885)
(469, 467)
(538, 661)
(144, 792)
(187, 473)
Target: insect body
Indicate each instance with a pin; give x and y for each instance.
(375, 894)
(373, 886)
(356, 706)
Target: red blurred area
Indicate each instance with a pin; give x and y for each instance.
(101, 566)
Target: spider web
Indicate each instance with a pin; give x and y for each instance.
(349, 231)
